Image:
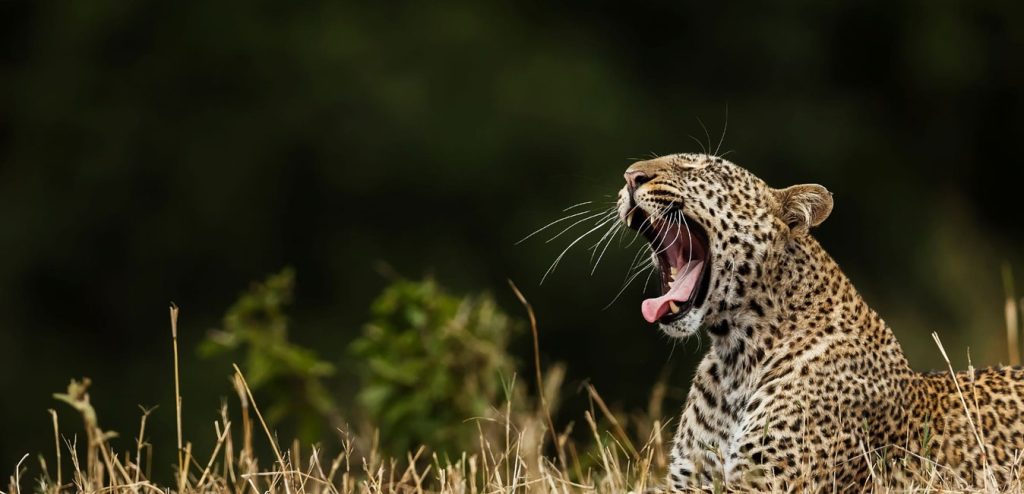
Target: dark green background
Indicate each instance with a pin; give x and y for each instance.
(158, 151)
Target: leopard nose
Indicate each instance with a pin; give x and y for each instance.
(636, 178)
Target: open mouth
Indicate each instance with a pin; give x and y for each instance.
(683, 257)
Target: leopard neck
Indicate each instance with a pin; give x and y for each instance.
(798, 298)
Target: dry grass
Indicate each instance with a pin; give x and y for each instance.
(516, 464)
(510, 457)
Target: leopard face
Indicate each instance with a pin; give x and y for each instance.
(715, 232)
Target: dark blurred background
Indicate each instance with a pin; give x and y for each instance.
(152, 152)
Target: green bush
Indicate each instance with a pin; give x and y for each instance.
(290, 377)
(430, 361)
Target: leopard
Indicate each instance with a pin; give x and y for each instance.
(803, 386)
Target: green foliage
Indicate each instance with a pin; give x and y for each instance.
(289, 376)
(431, 361)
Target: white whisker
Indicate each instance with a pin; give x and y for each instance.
(666, 246)
(611, 236)
(606, 238)
(611, 231)
(701, 144)
(648, 280)
(725, 127)
(574, 242)
(707, 135)
(661, 216)
(624, 286)
(545, 227)
(689, 239)
(637, 260)
(647, 263)
(577, 205)
(650, 223)
(585, 218)
(622, 233)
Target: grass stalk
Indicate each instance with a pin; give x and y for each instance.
(1011, 311)
(182, 461)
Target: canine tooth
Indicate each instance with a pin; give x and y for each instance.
(673, 271)
(674, 307)
(629, 219)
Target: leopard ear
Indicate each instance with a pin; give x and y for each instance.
(804, 206)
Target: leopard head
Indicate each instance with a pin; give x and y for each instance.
(716, 233)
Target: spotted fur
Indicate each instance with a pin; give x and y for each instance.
(804, 383)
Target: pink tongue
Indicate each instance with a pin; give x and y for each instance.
(679, 290)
